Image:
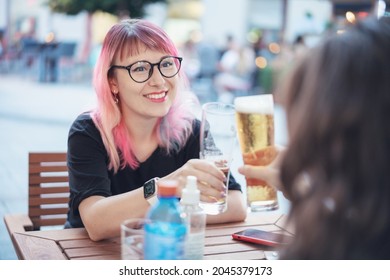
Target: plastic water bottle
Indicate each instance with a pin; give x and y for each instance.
(195, 219)
(166, 232)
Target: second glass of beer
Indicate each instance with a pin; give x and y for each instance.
(255, 127)
(217, 140)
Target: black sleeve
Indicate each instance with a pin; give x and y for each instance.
(87, 163)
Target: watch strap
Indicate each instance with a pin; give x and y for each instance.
(150, 190)
(152, 200)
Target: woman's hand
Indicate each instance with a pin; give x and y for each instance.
(211, 180)
(268, 173)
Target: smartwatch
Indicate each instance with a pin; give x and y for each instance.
(150, 190)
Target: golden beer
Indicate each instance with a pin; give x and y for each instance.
(255, 126)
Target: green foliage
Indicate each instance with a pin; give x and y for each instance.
(133, 8)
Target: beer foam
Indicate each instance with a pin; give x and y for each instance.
(257, 104)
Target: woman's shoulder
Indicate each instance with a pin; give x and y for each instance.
(83, 123)
(84, 130)
(84, 118)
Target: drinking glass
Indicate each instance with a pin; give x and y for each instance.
(132, 238)
(255, 129)
(217, 140)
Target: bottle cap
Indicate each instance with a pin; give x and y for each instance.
(166, 188)
(190, 194)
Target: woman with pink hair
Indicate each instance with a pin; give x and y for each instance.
(142, 129)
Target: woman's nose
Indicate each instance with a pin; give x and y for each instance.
(156, 78)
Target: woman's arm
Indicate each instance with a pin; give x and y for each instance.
(102, 216)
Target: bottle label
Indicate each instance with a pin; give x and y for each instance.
(194, 246)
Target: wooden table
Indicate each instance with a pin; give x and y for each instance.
(74, 244)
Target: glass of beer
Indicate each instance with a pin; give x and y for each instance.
(255, 127)
(217, 140)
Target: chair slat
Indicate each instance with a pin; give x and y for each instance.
(48, 211)
(50, 200)
(46, 157)
(36, 169)
(48, 222)
(52, 179)
(48, 190)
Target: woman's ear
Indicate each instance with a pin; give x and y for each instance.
(113, 85)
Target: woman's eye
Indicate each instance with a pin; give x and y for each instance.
(139, 69)
(166, 64)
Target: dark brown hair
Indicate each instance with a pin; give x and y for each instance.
(338, 110)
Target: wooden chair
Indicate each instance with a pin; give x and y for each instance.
(48, 194)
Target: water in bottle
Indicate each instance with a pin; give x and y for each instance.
(166, 232)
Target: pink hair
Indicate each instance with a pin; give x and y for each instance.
(125, 39)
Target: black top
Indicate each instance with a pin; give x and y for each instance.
(88, 166)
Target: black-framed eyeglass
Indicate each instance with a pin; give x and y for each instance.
(141, 71)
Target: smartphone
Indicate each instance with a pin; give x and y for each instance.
(262, 237)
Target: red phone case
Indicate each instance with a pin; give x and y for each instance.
(260, 237)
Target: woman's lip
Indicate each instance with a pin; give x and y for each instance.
(157, 96)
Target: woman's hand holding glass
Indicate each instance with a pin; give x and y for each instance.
(269, 173)
(211, 180)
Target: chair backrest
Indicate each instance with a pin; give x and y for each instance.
(48, 191)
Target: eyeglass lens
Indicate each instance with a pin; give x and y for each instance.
(142, 70)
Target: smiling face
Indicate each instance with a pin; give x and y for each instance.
(150, 99)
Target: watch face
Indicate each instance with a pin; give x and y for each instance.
(149, 188)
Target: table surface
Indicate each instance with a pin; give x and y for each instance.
(74, 244)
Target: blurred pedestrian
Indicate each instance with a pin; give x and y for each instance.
(208, 59)
(299, 47)
(235, 67)
(49, 59)
(190, 55)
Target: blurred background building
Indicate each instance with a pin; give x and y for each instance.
(232, 47)
(215, 19)
(261, 25)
